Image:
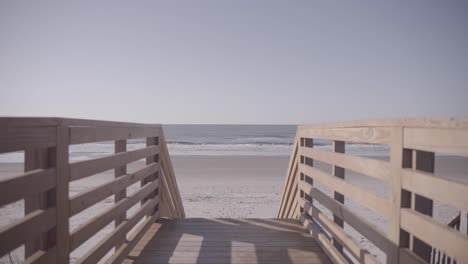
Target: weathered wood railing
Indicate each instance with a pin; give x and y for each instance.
(439, 257)
(412, 233)
(45, 230)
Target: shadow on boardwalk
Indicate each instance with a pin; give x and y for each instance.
(200, 240)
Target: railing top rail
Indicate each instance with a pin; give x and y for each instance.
(404, 122)
(54, 121)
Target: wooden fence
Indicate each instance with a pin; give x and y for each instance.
(44, 186)
(412, 232)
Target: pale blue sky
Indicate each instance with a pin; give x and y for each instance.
(234, 61)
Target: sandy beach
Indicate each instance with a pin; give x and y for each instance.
(230, 186)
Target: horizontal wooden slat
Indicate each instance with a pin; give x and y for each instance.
(84, 200)
(26, 228)
(449, 141)
(54, 121)
(29, 183)
(29, 121)
(338, 233)
(436, 188)
(371, 167)
(357, 194)
(87, 230)
(440, 236)
(375, 135)
(104, 123)
(398, 122)
(324, 243)
(82, 169)
(105, 245)
(122, 252)
(362, 225)
(43, 257)
(20, 138)
(87, 134)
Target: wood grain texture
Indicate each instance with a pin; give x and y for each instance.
(168, 170)
(440, 236)
(119, 173)
(441, 189)
(87, 134)
(199, 240)
(167, 201)
(398, 122)
(378, 169)
(362, 225)
(45, 185)
(374, 135)
(88, 229)
(288, 181)
(20, 138)
(338, 147)
(326, 245)
(396, 162)
(34, 199)
(96, 254)
(86, 199)
(20, 231)
(376, 203)
(123, 251)
(56, 121)
(338, 233)
(62, 230)
(447, 141)
(82, 169)
(32, 182)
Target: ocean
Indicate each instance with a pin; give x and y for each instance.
(216, 140)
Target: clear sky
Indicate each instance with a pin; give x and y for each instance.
(234, 61)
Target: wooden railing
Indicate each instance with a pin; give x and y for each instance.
(411, 232)
(44, 186)
(439, 257)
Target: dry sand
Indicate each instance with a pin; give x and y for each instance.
(231, 186)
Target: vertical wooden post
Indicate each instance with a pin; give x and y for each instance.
(423, 161)
(464, 222)
(406, 199)
(396, 163)
(301, 175)
(39, 159)
(308, 143)
(338, 147)
(158, 175)
(152, 141)
(120, 146)
(62, 194)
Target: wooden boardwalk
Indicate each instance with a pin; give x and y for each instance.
(201, 240)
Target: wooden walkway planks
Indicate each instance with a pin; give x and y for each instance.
(201, 240)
